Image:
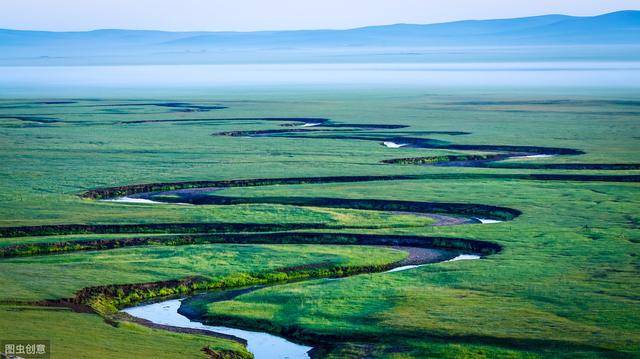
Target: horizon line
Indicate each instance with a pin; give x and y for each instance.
(318, 29)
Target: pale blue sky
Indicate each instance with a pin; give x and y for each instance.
(250, 15)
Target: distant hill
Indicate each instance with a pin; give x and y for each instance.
(616, 35)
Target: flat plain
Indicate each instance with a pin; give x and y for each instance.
(559, 275)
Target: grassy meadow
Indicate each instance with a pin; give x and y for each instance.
(566, 283)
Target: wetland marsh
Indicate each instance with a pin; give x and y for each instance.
(112, 202)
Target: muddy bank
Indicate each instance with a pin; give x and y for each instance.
(440, 220)
(422, 255)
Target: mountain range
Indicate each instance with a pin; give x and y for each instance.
(549, 37)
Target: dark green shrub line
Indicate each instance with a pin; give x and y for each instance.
(494, 212)
(231, 119)
(65, 229)
(108, 299)
(333, 128)
(462, 209)
(419, 142)
(459, 160)
(224, 353)
(263, 132)
(528, 150)
(444, 158)
(44, 248)
(372, 126)
(175, 106)
(259, 133)
(566, 166)
(113, 192)
(46, 102)
(471, 160)
(37, 119)
(453, 160)
(413, 141)
(553, 177)
(488, 161)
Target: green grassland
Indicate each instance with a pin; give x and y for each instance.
(77, 335)
(61, 276)
(564, 285)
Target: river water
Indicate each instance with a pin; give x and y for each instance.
(262, 345)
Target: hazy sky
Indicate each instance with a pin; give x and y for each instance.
(248, 15)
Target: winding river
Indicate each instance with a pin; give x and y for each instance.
(421, 248)
(261, 344)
